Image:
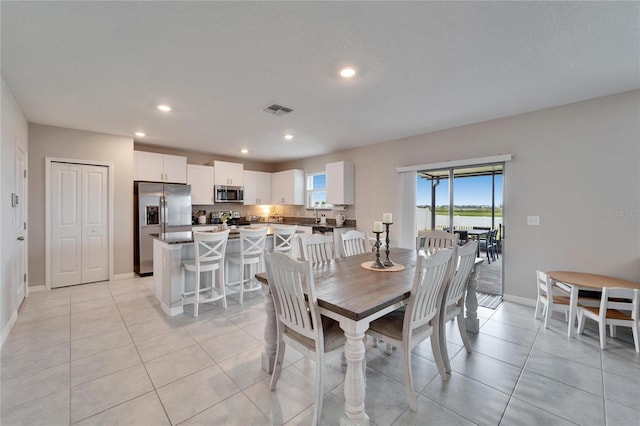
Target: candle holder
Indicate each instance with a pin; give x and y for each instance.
(377, 264)
(387, 261)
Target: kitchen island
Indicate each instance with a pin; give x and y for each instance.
(170, 249)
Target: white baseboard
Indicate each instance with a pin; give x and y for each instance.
(7, 328)
(36, 288)
(519, 300)
(125, 276)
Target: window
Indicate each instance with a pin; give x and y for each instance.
(317, 191)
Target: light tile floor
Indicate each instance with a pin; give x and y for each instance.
(106, 354)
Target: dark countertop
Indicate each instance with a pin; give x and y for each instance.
(187, 237)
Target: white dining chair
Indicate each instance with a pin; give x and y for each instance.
(419, 320)
(317, 248)
(251, 258)
(353, 242)
(284, 238)
(433, 240)
(551, 297)
(453, 301)
(210, 248)
(618, 307)
(299, 322)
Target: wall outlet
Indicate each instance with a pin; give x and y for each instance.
(533, 220)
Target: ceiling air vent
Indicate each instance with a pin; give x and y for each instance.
(276, 109)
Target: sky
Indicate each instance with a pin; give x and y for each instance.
(467, 191)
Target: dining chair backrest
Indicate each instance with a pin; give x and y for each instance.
(210, 248)
(430, 241)
(354, 242)
(289, 281)
(283, 238)
(430, 276)
(317, 248)
(466, 257)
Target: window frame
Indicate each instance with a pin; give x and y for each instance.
(309, 192)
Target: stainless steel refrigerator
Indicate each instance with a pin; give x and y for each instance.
(158, 208)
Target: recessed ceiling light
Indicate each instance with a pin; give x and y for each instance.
(244, 151)
(165, 108)
(288, 137)
(140, 134)
(347, 72)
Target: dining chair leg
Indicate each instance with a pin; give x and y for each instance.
(539, 305)
(319, 386)
(612, 330)
(437, 352)
(408, 377)
(581, 320)
(636, 336)
(242, 267)
(602, 328)
(463, 331)
(277, 367)
(223, 288)
(548, 311)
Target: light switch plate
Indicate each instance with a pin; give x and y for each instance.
(533, 220)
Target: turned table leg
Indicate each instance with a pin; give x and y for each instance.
(471, 303)
(354, 382)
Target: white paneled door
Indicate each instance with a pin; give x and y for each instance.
(20, 224)
(79, 224)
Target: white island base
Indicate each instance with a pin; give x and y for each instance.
(169, 250)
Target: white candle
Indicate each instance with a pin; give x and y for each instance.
(387, 218)
(377, 226)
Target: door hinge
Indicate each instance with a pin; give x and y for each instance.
(25, 226)
(25, 173)
(25, 278)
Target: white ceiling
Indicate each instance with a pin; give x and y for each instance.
(423, 66)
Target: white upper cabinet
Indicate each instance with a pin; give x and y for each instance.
(228, 173)
(288, 187)
(201, 180)
(257, 188)
(154, 167)
(340, 183)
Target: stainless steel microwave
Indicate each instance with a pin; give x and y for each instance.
(229, 194)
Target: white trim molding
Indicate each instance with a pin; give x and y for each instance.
(456, 163)
(519, 300)
(7, 328)
(36, 288)
(125, 276)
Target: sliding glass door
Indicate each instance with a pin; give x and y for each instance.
(467, 200)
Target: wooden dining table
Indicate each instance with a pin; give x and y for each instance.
(354, 297)
(585, 281)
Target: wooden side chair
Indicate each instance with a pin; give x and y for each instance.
(299, 322)
(420, 318)
(618, 307)
(354, 242)
(453, 301)
(551, 297)
(210, 248)
(317, 248)
(429, 241)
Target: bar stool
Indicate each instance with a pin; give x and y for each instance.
(251, 254)
(283, 238)
(210, 248)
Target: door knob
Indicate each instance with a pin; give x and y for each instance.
(20, 238)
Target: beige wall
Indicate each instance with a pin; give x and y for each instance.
(576, 166)
(48, 141)
(14, 133)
